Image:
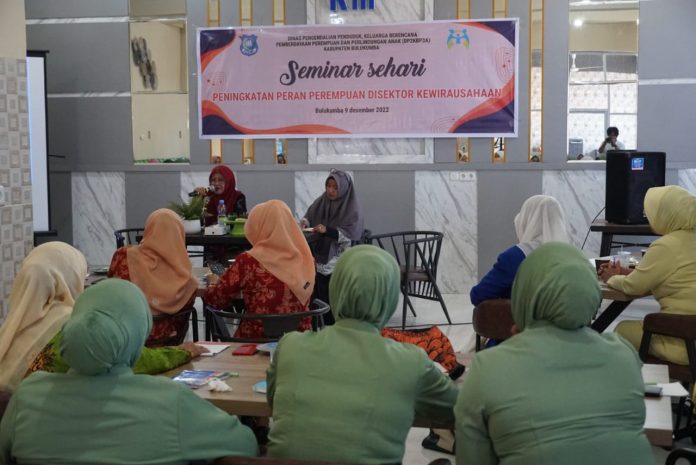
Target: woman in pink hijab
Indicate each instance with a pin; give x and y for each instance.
(161, 268)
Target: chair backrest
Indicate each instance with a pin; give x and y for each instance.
(275, 325)
(188, 314)
(364, 238)
(676, 326)
(127, 236)
(492, 319)
(413, 250)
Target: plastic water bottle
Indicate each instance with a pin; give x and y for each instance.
(222, 212)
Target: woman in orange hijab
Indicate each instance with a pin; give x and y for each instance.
(275, 276)
(161, 268)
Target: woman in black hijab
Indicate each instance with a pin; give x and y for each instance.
(336, 220)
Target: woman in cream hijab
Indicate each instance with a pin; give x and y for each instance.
(43, 294)
(539, 221)
(668, 269)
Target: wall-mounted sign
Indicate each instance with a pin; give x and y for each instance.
(355, 4)
(428, 79)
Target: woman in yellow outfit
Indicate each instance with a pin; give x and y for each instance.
(667, 271)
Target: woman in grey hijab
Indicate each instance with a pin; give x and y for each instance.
(336, 220)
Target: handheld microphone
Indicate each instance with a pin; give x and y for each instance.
(208, 190)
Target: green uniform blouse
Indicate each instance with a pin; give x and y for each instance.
(550, 396)
(346, 394)
(118, 417)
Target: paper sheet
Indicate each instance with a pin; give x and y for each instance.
(673, 389)
(213, 347)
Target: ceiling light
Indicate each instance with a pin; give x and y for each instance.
(578, 22)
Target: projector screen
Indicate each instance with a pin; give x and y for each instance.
(38, 141)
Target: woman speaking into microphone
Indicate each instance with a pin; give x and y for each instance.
(223, 187)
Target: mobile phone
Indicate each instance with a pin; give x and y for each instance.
(653, 390)
(246, 349)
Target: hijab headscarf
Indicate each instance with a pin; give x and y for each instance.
(670, 208)
(344, 213)
(279, 245)
(365, 285)
(539, 221)
(230, 194)
(42, 298)
(108, 328)
(160, 265)
(555, 285)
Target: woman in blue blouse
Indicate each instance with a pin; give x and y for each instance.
(540, 220)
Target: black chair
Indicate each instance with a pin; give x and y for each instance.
(189, 314)
(685, 453)
(128, 236)
(417, 253)
(275, 325)
(364, 238)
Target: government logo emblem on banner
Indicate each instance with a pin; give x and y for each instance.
(249, 46)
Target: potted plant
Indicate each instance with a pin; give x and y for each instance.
(190, 213)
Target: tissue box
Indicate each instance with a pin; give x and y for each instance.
(216, 230)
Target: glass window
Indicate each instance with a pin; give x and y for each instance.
(624, 97)
(628, 129)
(586, 67)
(588, 97)
(589, 129)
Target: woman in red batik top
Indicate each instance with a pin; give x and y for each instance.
(275, 276)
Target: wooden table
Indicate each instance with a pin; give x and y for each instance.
(619, 302)
(608, 231)
(242, 400)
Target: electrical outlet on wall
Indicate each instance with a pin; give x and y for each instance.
(2, 196)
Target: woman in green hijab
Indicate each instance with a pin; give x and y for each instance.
(346, 394)
(667, 271)
(557, 392)
(106, 413)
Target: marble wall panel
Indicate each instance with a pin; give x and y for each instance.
(99, 208)
(447, 202)
(687, 180)
(582, 195)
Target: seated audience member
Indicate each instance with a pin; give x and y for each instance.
(610, 143)
(100, 411)
(557, 392)
(275, 276)
(347, 394)
(44, 291)
(161, 268)
(667, 271)
(540, 220)
(223, 181)
(336, 219)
